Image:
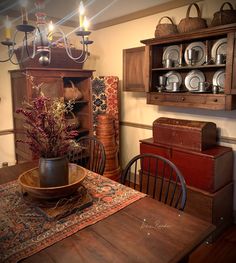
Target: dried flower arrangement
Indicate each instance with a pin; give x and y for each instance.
(48, 134)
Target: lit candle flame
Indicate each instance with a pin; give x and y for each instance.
(81, 13)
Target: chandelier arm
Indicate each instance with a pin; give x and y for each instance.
(22, 51)
(9, 55)
(49, 55)
(27, 50)
(34, 47)
(83, 53)
(62, 36)
(68, 50)
(5, 60)
(13, 49)
(41, 36)
(26, 44)
(14, 63)
(85, 57)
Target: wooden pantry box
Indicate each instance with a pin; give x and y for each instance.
(187, 134)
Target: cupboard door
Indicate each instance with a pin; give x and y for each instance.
(51, 87)
(135, 69)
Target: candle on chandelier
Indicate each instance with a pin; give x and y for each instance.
(7, 31)
(85, 24)
(50, 31)
(24, 13)
(81, 13)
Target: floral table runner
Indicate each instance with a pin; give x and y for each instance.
(24, 231)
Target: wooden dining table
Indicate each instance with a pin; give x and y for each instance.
(144, 231)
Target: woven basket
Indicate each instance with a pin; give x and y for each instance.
(72, 121)
(72, 92)
(190, 24)
(165, 28)
(223, 17)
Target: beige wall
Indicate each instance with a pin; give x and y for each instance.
(6, 122)
(106, 59)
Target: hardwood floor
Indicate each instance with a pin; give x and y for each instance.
(223, 250)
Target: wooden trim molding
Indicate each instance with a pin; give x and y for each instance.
(136, 125)
(142, 13)
(6, 132)
(229, 140)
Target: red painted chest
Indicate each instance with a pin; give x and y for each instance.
(208, 170)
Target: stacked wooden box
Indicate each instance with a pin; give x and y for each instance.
(105, 132)
(206, 166)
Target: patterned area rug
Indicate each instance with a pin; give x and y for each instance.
(24, 231)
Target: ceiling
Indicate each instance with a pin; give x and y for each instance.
(101, 13)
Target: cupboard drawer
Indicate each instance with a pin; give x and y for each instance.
(154, 98)
(203, 101)
(173, 97)
(215, 100)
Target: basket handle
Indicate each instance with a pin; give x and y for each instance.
(197, 8)
(72, 114)
(167, 18)
(72, 84)
(226, 3)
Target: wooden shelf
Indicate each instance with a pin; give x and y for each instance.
(222, 101)
(77, 102)
(143, 66)
(213, 66)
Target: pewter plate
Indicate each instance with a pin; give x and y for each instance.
(220, 47)
(219, 79)
(192, 80)
(172, 52)
(200, 47)
(172, 76)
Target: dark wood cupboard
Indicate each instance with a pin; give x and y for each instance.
(153, 68)
(26, 85)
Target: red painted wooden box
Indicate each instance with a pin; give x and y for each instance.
(187, 134)
(208, 170)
